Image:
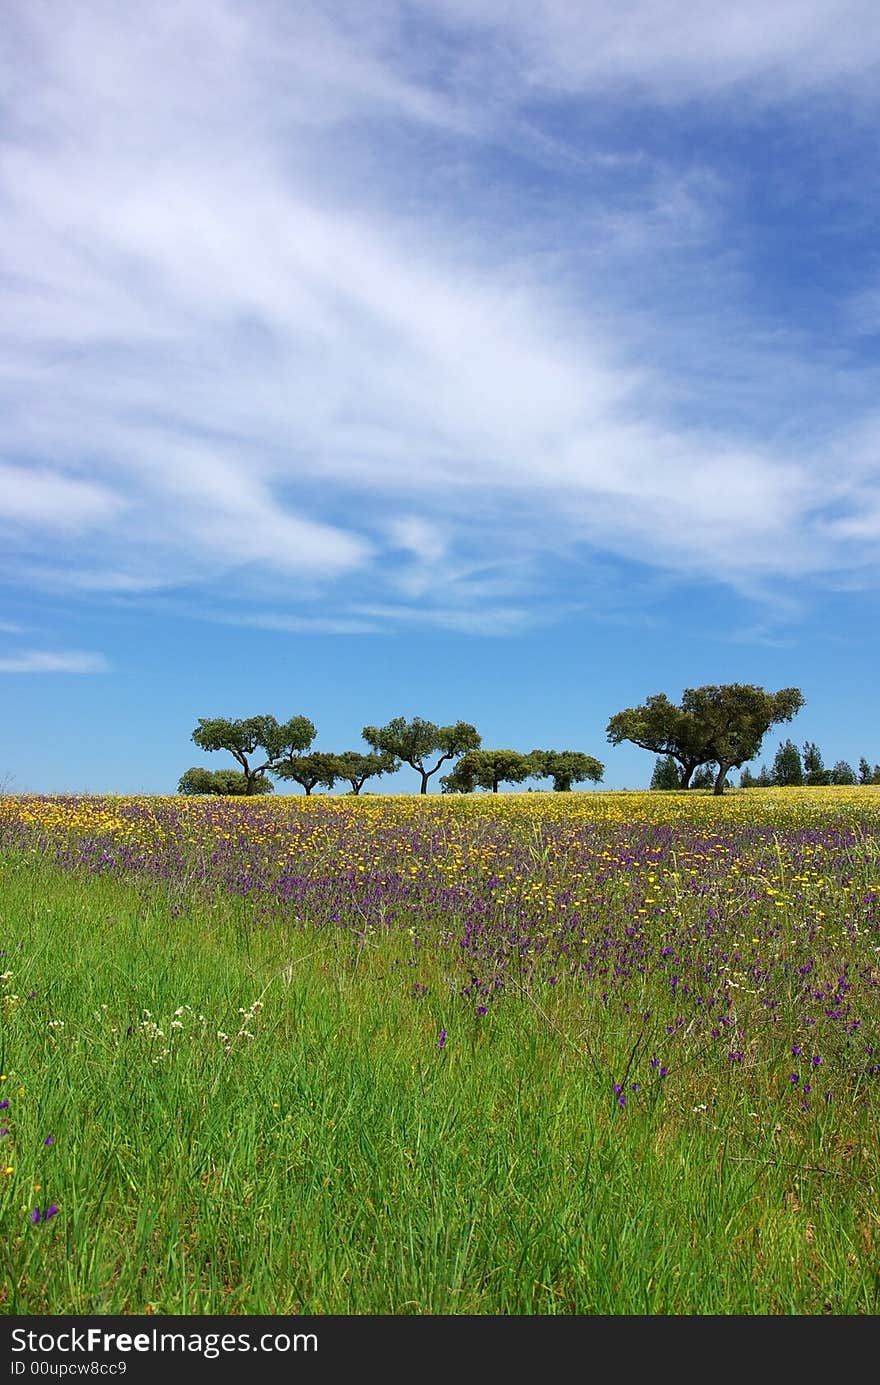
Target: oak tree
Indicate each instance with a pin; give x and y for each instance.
(414, 742)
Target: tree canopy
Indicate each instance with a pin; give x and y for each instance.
(487, 769)
(566, 767)
(722, 724)
(243, 738)
(666, 774)
(357, 768)
(309, 770)
(788, 771)
(220, 781)
(415, 741)
(734, 718)
(669, 731)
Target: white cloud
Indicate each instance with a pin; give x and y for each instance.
(239, 338)
(35, 496)
(679, 49)
(45, 661)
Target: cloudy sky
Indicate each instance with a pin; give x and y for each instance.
(507, 362)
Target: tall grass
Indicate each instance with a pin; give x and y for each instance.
(271, 1119)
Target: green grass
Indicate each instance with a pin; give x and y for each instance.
(340, 1162)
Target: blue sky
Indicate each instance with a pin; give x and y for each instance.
(505, 363)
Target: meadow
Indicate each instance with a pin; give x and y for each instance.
(579, 1053)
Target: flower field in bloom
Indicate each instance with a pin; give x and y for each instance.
(547, 1002)
(743, 910)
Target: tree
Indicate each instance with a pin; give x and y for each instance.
(658, 725)
(666, 773)
(413, 741)
(703, 778)
(309, 770)
(244, 738)
(718, 723)
(733, 719)
(357, 768)
(814, 770)
(764, 779)
(219, 781)
(487, 769)
(842, 773)
(747, 780)
(565, 767)
(865, 776)
(787, 768)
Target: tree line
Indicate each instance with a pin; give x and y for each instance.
(792, 768)
(262, 746)
(699, 741)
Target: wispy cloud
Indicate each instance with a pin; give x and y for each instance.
(247, 336)
(45, 661)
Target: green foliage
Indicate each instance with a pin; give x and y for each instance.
(842, 773)
(815, 772)
(721, 723)
(658, 725)
(788, 771)
(357, 768)
(319, 768)
(734, 718)
(565, 767)
(667, 774)
(487, 769)
(413, 741)
(244, 737)
(703, 778)
(221, 781)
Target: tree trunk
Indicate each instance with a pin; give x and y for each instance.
(720, 778)
(308, 789)
(425, 775)
(686, 774)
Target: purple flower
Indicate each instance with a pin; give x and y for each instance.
(816, 1060)
(793, 1077)
(50, 1212)
(4, 1104)
(49, 1140)
(4, 1131)
(796, 1050)
(441, 1042)
(482, 1010)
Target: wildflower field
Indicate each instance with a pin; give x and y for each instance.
(580, 1053)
